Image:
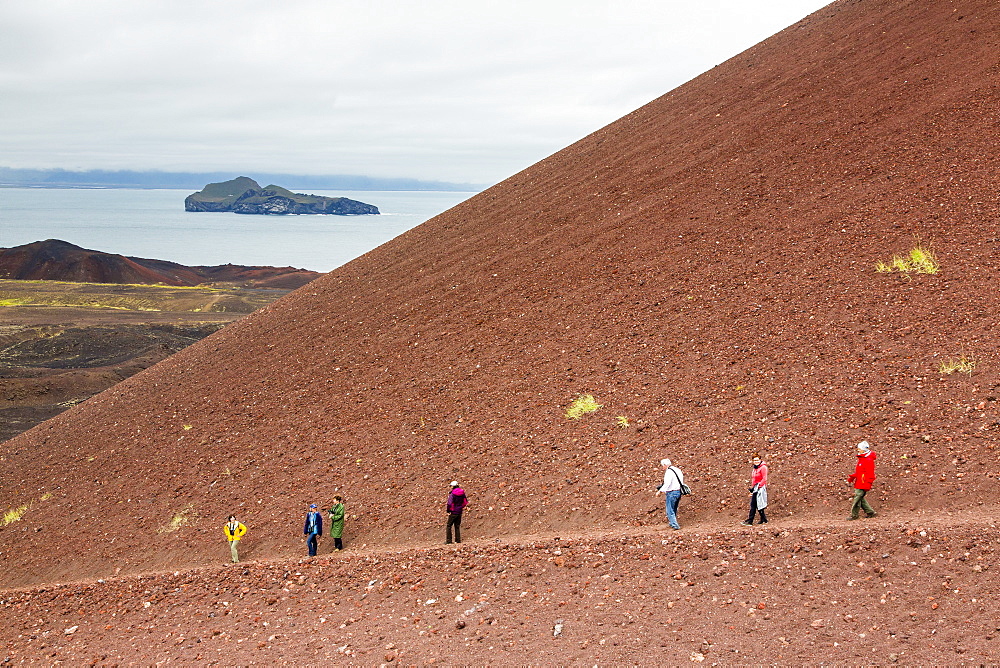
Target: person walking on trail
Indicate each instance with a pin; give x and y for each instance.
(234, 532)
(758, 491)
(337, 522)
(863, 477)
(457, 501)
(313, 529)
(673, 477)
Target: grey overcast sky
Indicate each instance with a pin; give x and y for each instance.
(469, 91)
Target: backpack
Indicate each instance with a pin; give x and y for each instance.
(685, 490)
(458, 502)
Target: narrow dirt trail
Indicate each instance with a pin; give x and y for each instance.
(979, 519)
(908, 588)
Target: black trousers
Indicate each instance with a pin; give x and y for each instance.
(454, 520)
(754, 511)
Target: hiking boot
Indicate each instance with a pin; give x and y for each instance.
(747, 524)
(873, 515)
(762, 522)
(852, 518)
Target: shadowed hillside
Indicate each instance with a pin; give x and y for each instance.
(63, 342)
(705, 267)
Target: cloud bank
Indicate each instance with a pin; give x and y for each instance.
(456, 91)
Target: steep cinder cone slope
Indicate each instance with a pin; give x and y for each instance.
(704, 267)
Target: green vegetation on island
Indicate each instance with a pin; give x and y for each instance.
(244, 195)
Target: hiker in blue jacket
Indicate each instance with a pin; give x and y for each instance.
(313, 528)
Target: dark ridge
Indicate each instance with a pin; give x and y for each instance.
(55, 260)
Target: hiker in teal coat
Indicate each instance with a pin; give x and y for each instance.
(313, 529)
(337, 522)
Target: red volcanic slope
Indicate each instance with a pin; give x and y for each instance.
(55, 260)
(705, 267)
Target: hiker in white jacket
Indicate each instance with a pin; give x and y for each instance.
(673, 477)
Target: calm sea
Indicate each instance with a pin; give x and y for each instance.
(153, 224)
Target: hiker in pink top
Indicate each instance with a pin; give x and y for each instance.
(758, 491)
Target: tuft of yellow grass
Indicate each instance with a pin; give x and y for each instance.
(582, 405)
(179, 519)
(13, 515)
(963, 364)
(918, 261)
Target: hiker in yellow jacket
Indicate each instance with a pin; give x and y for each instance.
(234, 531)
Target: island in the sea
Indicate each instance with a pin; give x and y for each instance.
(244, 195)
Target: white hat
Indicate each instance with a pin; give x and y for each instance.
(454, 483)
(863, 445)
(664, 462)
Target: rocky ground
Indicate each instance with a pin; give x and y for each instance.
(909, 590)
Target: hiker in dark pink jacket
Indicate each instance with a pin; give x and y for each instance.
(457, 502)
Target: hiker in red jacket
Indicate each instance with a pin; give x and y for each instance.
(863, 477)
